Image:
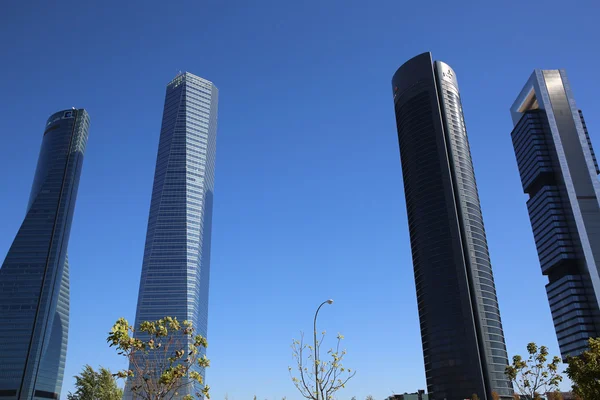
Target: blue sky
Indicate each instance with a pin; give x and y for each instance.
(309, 202)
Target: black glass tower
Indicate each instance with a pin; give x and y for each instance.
(559, 171)
(461, 331)
(34, 278)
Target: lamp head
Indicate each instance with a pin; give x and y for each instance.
(330, 301)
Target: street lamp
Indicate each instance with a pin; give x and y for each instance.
(330, 301)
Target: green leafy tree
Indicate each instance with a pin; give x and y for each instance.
(162, 364)
(369, 397)
(584, 371)
(95, 385)
(534, 377)
(319, 379)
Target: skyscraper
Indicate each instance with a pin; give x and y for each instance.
(461, 331)
(34, 278)
(176, 264)
(559, 171)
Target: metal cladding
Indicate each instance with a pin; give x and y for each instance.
(559, 172)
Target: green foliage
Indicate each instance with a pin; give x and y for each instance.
(95, 385)
(162, 363)
(584, 371)
(474, 396)
(534, 377)
(319, 379)
(369, 397)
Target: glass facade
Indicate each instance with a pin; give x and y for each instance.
(34, 278)
(461, 330)
(559, 171)
(176, 264)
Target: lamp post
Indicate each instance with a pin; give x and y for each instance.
(315, 345)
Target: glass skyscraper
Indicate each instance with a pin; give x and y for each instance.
(559, 171)
(176, 264)
(34, 278)
(461, 330)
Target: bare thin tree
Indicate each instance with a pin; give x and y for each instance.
(319, 379)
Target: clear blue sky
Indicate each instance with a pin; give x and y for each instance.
(309, 203)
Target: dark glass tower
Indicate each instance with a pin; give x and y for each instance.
(176, 265)
(461, 331)
(34, 278)
(559, 171)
